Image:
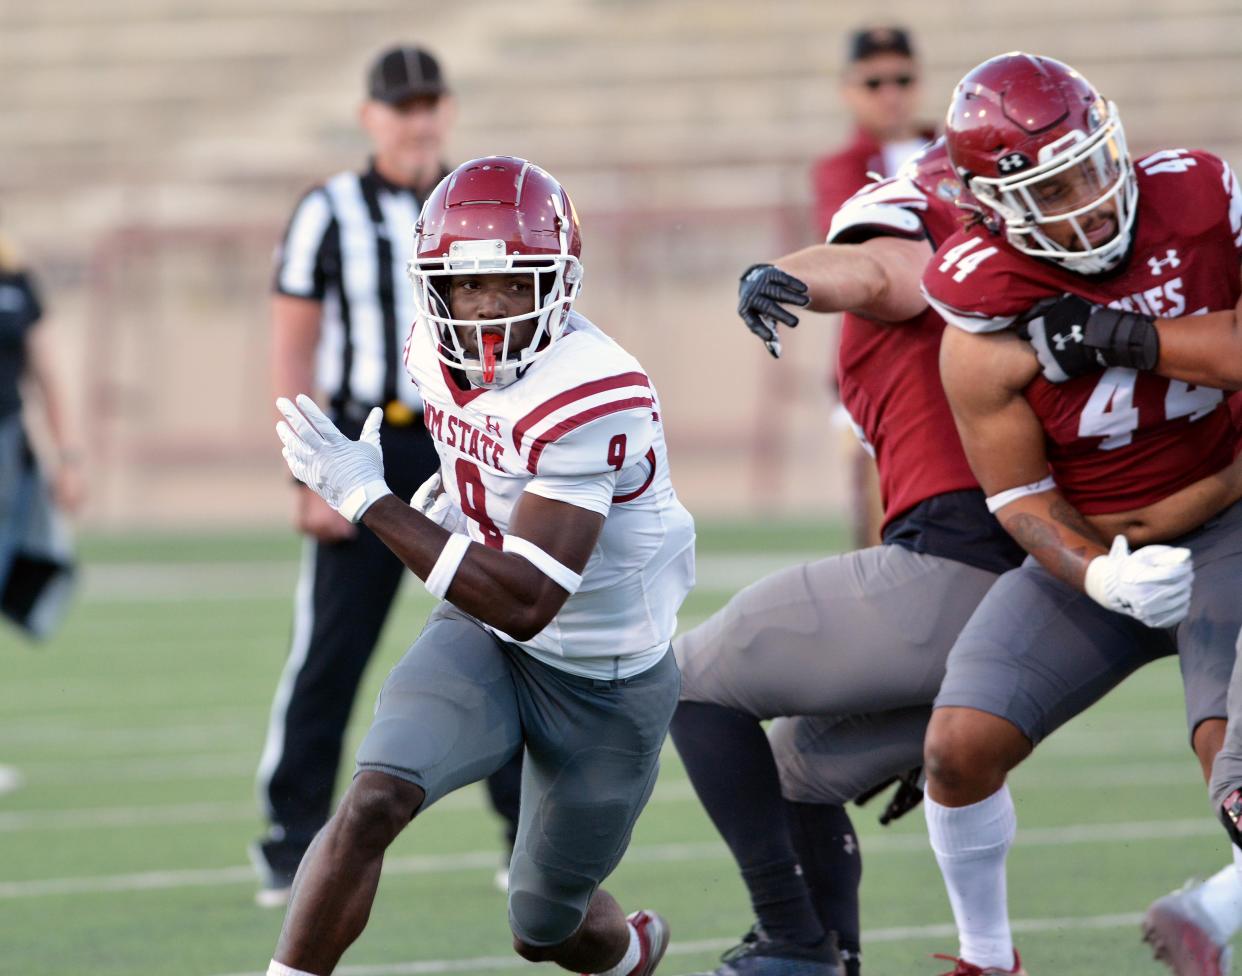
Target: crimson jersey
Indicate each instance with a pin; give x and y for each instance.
(1119, 440)
(888, 373)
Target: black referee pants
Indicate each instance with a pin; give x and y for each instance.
(344, 593)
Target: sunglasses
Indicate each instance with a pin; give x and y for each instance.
(900, 81)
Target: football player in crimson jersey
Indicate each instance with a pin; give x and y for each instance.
(562, 553)
(1068, 461)
(846, 653)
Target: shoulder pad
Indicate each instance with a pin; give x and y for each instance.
(601, 425)
(888, 207)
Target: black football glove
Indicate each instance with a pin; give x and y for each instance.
(1230, 813)
(907, 796)
(760, 293)
(1073, 337)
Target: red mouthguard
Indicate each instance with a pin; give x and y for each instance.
(490, 342)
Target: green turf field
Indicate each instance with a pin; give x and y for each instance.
(136, 732)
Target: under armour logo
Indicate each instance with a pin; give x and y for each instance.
(1012, 162)
(1170, 260)
(850, 845)
(493, 425)
(1062, 340)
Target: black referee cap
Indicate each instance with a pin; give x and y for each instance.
(405, 72)
(866, 43)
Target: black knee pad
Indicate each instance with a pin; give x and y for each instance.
(539, 920)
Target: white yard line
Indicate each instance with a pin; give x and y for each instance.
(1102, 833)
(178, 582)
(155, 770)
(152, 816)
(1166, 768)
(85, 741)
(669, 791)
(11, 779)
(905, 933)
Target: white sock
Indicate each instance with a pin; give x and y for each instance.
(630, 959)
(970, 844)
(1220, 897)
(280, 969)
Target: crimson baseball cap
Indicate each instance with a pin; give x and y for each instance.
(880, 40)
(405, 72)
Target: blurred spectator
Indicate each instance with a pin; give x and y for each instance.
(36, 552)
(880, 86)
(341, 313)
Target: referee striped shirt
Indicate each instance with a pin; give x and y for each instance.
(347, 246)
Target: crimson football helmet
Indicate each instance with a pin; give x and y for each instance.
(1037, 145)
(931, 170)
(496, 215)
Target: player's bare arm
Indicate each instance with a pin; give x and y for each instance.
(503, 589)
(983, 376)
(877, 279)
(517, 592)
(1202, 349)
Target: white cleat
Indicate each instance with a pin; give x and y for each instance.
(1181, 935)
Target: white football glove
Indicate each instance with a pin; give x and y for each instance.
(428, 492)
(1151, 584)
(348, 475)
(434, 502)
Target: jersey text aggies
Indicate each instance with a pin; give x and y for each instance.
(1119, 439)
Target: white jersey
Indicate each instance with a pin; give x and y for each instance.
(581, 426)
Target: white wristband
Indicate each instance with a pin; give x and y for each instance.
(557, 572)
(361, 498)
(1002, 498)
(442, 573)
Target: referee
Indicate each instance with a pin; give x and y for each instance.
(341, 311)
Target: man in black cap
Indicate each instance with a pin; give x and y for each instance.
(880, 87)
(341, 311)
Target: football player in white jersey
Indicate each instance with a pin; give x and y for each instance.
(555, 538)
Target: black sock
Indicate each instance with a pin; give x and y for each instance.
(729, 761)
(828, 850)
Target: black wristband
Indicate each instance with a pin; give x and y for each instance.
(1123, 338)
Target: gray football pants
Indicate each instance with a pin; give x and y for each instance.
(1039, 652)
(846, 653)
(461, 702)
(1227, 769)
